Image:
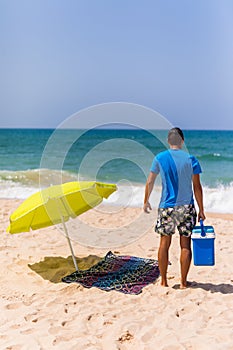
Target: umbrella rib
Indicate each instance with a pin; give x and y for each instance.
(31, 223)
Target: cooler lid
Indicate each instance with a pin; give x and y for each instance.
(197, 235)
(207, 229)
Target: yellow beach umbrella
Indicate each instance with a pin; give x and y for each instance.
(56, 204)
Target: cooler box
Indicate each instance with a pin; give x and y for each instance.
(203, 245)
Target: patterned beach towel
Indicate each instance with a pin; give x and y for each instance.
(126, 274)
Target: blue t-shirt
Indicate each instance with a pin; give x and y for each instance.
(176, 168)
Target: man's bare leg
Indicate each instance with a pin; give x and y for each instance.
(165, 242)
(185, 259)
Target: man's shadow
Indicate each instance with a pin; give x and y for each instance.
(224, 288)
(54, 268)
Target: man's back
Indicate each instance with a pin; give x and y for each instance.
(176, 168)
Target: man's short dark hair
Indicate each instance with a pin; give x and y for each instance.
(175, 137)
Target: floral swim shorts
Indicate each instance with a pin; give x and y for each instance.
(183, 217)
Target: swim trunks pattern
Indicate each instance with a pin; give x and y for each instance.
(183, 217)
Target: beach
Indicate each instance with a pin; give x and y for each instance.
(38, 311)
(93, 94)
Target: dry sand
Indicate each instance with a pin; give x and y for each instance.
(38, 311)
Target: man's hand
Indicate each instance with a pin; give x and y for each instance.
(201, 215)
(149, 187)
(147, 207)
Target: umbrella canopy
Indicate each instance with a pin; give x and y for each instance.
(56, 204)
(49, 206)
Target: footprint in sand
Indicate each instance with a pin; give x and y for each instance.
(127, 336)
(13, 306)
(14, 347)
(31, 317)
(146, 338)
(15, 326)
(27, 331)
(55, 330)
(29, 300)
(3, 337)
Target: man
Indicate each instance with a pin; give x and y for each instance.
(180, 173)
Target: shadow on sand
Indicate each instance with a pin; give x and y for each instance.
(224, 288)
(54, 268)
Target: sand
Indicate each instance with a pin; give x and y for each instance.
(38, 311)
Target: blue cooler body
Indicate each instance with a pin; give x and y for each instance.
(203, 245)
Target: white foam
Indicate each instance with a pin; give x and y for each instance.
(132, 196)
(219, 200)
(11, 190)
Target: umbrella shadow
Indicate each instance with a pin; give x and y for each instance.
(224, 288)
(54, 268)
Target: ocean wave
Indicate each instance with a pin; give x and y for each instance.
(218, 199)
(22, 183)
(36, 177)
(215, 157)
(12, 190)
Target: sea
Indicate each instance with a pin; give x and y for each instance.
(31, 159)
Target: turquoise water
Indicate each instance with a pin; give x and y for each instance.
(119, 156)
(22, 149)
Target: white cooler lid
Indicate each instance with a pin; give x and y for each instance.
(197, 235)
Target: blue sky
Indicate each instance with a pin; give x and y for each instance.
(58, 57)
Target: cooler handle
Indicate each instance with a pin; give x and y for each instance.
(203, 234)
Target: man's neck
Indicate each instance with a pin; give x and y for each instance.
(175, 147)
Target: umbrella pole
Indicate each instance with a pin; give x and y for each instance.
(69, 242)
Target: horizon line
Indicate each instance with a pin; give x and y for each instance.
(107, 128)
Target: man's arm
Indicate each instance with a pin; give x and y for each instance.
(197, 188)
(148, 189)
